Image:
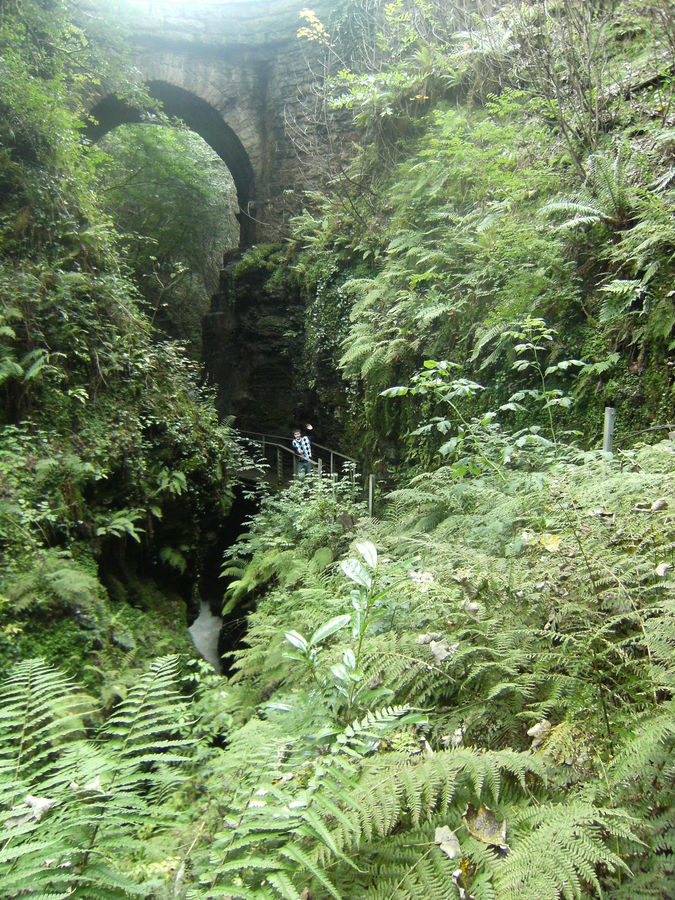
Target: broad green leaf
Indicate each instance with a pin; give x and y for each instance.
(399, 391)
(329, 628)
(297, 640)
(369, 553)
(35, 368)
(356, 572)
(349, 659)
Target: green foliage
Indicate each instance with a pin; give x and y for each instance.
(368, 599)
(73, 807)
(440, 240)
(463, 231)
(103, 428)
(173, 200)
(538, 606)
(514, 730)
(606, 199)
(471, 696)
(291, 536)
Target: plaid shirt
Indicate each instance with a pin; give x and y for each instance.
(303, 447)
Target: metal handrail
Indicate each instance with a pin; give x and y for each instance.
(266, 439)
(334, 452)
(281, 447)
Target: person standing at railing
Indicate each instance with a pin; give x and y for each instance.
(302, 446)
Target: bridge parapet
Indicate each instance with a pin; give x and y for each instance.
(219, 23)
(244, 60)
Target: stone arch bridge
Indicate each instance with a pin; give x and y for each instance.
(233, 71)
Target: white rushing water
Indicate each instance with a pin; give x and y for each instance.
(204, 632)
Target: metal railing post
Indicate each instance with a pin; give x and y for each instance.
(280, 465)
(332, 464)
(318, 467)
(608, 433)
(371, 494)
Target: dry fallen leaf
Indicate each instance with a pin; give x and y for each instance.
(483, 825)
(539, 733)
(550, 542)
(447, 839)
(453, 740)
(442, 650)
(32, 808)
(429, 637)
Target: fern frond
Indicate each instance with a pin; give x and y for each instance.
(557, 850)
(77, 825)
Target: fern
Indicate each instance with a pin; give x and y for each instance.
(559, 849)
(294, 830)
(608, 198)
(73, 807)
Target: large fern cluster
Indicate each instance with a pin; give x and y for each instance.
(531, 626)
(439, 237)
(354, 818)
(74, 799)
(508, 732)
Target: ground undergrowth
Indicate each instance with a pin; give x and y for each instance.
(468, 696)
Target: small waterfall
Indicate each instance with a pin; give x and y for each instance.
(205, 631)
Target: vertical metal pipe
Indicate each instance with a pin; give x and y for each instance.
(371, 494)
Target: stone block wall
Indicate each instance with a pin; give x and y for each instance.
(242, 58)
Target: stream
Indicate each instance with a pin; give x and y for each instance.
(212, 635)
(205, 633)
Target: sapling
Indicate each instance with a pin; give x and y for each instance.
(366, 600)
(436, 380)
(535, 339)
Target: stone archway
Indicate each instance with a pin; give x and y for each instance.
(200, 117)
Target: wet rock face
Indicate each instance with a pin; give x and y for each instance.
(252, 340)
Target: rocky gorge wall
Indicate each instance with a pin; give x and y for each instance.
(252, 342)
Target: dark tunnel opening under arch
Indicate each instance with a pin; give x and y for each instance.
(200, 117)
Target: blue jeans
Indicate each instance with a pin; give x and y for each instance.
(304, 467)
